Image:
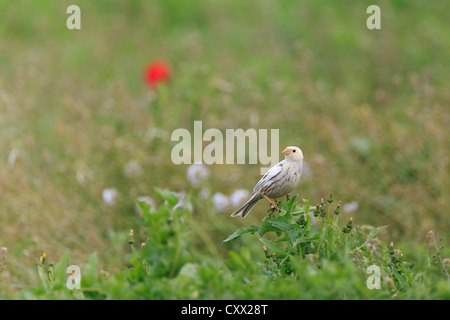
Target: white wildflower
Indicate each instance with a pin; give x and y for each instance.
(3, 256)
(222, 85)
(196, 173)
(81, 177)
(239, 197)
(182, 202)
(148, 200)
(350, 207)
(221, 202)
(132, 169)
(13, 156)
(204, 194)
(110, 196)
(313, 219)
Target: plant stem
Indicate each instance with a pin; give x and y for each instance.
(177, 253)
(438, 254)
(299, 251)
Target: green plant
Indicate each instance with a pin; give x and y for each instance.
(304, 247)
(166, 248)
(439, 258)
(294, 232)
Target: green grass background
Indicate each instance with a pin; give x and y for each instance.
(369, 108)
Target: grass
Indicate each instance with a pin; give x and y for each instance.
(368, 108)
(328, 261)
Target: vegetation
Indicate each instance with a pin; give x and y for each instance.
(327, 260)
(82, 137)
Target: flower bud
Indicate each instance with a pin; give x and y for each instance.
(330, 198)
(266, 252)
(391, 248)
(348, 228)
(301, 220)
(316, 210)
(44, 255)
(130, 237)
(322, 212)
(338, 208)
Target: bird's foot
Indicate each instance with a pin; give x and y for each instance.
(272, 203)
(274, 206)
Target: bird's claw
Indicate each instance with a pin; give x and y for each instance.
(273, 207)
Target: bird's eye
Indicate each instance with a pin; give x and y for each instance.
(293, 151)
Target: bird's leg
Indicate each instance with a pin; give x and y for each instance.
(271, 202)
(273, 206)
(288, 197)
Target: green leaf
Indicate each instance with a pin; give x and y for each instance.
(90, 271)
(266, 226)
(291, 230)
(144, 207)
(273, 247)
(280, 223)
(399, 278)
(373, 232)
(163, 194)
(240, 232)
(290, 204)
(60, 271)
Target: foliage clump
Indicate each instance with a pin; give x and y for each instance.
(299, 246)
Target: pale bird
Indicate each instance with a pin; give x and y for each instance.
(279, 181)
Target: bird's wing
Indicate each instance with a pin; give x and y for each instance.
(270, 175)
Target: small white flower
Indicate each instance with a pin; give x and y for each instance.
(132, 169)
(155, 133)
(239, 197)
(222, 85)
(13, 156)
(221, 202)
(196, 173)
(81, 177)
(313, 219)
(204, 194)
(371, 245)
(110, 196)
(350, 207)
(182, 202)
(148, 200)
(83, 173)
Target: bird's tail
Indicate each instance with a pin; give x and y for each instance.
(246, 207)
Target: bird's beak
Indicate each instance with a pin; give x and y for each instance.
(285, 152)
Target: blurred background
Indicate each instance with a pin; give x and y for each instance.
(83, 135)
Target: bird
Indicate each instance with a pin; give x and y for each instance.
(279, 181)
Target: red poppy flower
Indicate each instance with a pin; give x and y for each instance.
(156, 72)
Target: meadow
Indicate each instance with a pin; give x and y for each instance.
(85, 152)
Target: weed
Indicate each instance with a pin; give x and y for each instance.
(439, 258)
(295, 238)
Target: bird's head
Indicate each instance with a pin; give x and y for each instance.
(293, 153)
